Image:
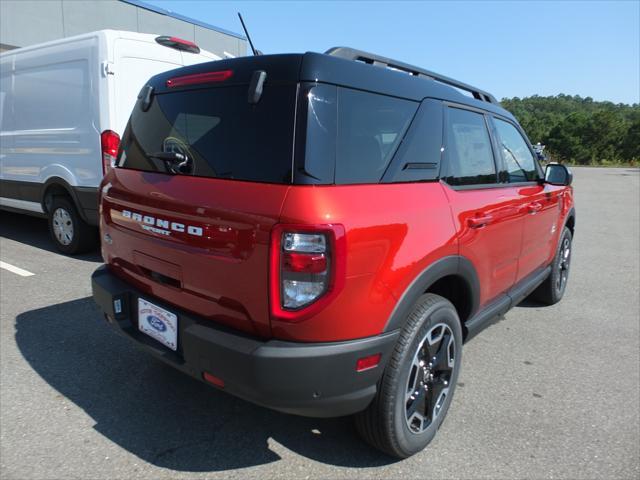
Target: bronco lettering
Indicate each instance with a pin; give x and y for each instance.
(166, 224)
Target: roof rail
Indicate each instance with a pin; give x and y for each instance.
(384, 62)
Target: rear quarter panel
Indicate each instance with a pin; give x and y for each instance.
(393, 232)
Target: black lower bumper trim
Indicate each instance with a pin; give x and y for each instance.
(310, 379)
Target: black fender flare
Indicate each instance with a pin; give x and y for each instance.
(60, 182)
(571, 215)
(451, 265)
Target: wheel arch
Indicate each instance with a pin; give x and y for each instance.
(56, 186)
(570, 221)
(453, 277)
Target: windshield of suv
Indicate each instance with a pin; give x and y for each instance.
(214, 132)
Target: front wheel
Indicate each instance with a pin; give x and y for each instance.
(552, 289)
(417, 386)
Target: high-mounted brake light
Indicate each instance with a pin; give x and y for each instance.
(307, 269)
(109, 143)
(209, 77)
(178, 43)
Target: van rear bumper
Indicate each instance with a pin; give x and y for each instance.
(310, 379)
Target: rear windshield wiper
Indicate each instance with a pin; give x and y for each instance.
(178, 162)
(173, 157)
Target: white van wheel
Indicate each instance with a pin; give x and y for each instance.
(69, 232)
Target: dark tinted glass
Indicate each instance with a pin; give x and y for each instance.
(468, 146)
(222, 135)
(320, 146)
(519, 160)
(370, 128)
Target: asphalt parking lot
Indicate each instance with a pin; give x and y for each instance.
(546, 392)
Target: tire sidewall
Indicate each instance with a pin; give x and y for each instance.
(408, 441)
(558, 294)
(63, 203)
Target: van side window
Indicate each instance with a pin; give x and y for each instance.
(52, 96)
(370, 128)
(468, 149)
(518, 159)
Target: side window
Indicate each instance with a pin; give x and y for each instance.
(370, 128)
(468, 149)
(518, 159)
(52, 96)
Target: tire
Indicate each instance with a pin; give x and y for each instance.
(392, 421)
(70, 234)
(552, 289)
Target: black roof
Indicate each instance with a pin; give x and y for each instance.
(324, 68)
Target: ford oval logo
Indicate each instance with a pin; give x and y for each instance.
(156, 323)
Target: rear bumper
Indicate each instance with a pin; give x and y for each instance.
(310, 379)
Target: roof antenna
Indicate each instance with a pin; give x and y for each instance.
(255, 52)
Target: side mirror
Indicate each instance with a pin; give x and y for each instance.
(557, 174)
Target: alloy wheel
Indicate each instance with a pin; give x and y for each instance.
(563, 265)
(429, 378)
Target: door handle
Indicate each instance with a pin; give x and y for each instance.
(534, 207)
(480, 221)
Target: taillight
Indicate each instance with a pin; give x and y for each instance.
(196, 78)
(307, 269)
(109, 142)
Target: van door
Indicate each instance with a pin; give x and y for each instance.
(52, 127)
(135, 62)
(487, 214)
(540, 202)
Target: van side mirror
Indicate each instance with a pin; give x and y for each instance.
(557, 174)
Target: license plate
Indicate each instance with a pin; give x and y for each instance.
(158, 323)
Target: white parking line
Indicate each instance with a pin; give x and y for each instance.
(16, 270)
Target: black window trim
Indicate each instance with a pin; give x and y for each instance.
(394, 166)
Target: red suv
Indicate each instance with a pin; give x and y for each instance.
(319, 233)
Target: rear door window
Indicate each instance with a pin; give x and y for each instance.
(221, 134)
(468, 149)
(369, 129)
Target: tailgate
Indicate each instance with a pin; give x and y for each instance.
(202, 175)
(201, 244)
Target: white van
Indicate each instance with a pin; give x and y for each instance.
(63, 108)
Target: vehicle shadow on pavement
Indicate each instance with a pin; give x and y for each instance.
(161, 415)
(34, 231)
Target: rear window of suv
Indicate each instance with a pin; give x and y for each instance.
(218, 130)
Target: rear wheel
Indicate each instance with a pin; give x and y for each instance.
(417, 387)
(69, 232)
(552, 289)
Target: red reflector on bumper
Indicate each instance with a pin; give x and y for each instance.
(366, 363)
(212, 379)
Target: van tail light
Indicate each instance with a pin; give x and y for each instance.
(196, 78)
(110, 143)
(307, 269)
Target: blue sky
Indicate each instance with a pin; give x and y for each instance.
(511, 48)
